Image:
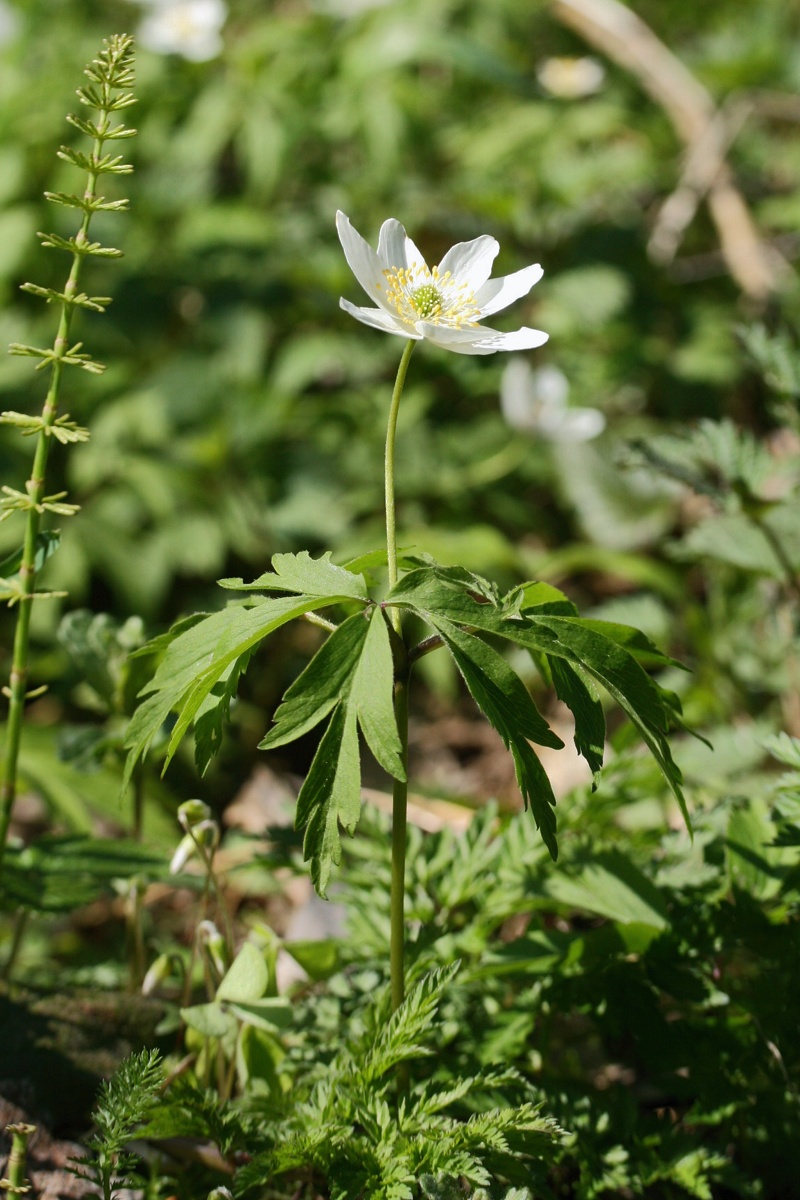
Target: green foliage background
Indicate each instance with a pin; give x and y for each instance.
(243, 414)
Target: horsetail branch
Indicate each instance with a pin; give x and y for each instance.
(109, 75)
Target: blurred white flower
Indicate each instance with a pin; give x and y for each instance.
(570, 78)
(440, 304)
(9, 23)
(158, 972)
(536, 402)
(209, 936)
(191, 28)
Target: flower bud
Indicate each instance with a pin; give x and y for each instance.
(192, 812)
(210, 937)
(158, 972)
(206, 834)
(186, 848)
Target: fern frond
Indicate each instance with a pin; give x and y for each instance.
(401, 1037)
(124, 1102)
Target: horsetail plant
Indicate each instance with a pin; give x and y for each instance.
(110, 77)
(15, 1184)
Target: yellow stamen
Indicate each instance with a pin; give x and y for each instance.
(421, 293)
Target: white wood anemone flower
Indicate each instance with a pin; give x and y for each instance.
(535, 402)
(190, 28)
(442, 304)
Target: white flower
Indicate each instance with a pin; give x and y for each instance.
(9, 23)
(441, 304)
(536, 402)
(190, 28)
(571, 78)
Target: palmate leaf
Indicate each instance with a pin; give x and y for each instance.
(213, 712)
(210, 653)
(302, 573)
(611, 664)
(330, 795)
(195, 660)
(504, 700)
(355, 663)
(321, 685)
(373, 697)
(352, 678)
(581, 699)
(607, 653)
(539, 597)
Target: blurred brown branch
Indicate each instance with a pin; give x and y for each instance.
(758, 268)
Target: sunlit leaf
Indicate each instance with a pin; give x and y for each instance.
(302, 573)
(247, 977)
(504, 700)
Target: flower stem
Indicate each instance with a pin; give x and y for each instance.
(391, 536)
(400, 789)
(399, 820)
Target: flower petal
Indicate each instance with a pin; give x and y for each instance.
(461, 341)
(519, 339)
(392, 244)
(414, 258)
(573, 425)
(480, 340)
(378, 318)
(499, 293)
(470, 263)
(361, 258)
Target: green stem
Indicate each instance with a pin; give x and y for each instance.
(136, 948)
(391, 536)
(17, 1158)
(27, 572)
(400, 790)
(207, 856)
(399, 822)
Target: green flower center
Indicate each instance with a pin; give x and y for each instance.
(427, 300)
(420, 293)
